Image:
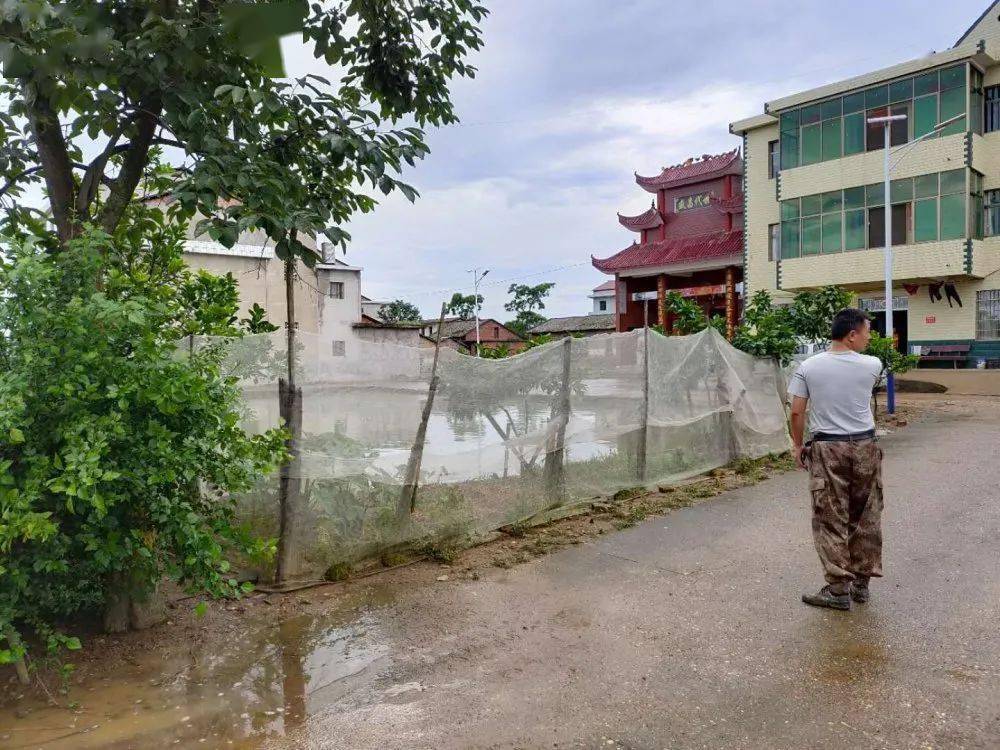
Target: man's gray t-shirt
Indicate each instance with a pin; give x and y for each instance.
(839, 388)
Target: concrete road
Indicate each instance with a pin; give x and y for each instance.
(687, 631)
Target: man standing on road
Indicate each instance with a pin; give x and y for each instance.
(843, 459)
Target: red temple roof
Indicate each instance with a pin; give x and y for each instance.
(648, 219)
(690, 171)
(679, 250)
(733, 205)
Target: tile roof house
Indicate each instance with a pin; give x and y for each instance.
(461, 334)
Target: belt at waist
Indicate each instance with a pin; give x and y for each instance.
(852, 437)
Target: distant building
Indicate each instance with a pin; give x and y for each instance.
(371, 308)
(461, 334)
(576, 325)
(690, 241)
(604, 298)
(328, 299)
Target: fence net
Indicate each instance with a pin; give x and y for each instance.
(503, 440)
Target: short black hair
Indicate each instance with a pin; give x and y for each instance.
(847, 320)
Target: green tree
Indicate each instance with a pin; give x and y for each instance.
(525, 302)
(400, 311)
(464, 306)
(99, 92)
(766, 330)
(115, 106)
(892, 359)
(812, 312)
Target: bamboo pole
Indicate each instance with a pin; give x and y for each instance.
(644, 416)
(408, 496)
(555, 458)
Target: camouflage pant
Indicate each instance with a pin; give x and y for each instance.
(845, 479)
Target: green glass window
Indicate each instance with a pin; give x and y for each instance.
(811, 205)
(875, 194)
(831, 139)
(831, 108)
(901, 191)
(952, 216)
(789, 150)
(812, 235)
(790, 239)
(790, 121)
(952, 103)
(877, 97)
(854, 197)
(953, 78)
(925, 84)
(812, 113)
(925, 220)
(854, 229)
(900, 91)
(854, 133)
(953, 181)
(925, 112)
(831, 233)
(854, 102)
(925, 186)
(831, 201)
(790, 209)
(812, 150)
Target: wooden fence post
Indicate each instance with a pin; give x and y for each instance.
(408, 495)
(555, 458)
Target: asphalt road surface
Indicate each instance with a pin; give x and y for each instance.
(687, 631)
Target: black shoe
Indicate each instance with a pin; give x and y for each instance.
(828, 598)
(859, 590)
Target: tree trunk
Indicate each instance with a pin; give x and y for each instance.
(290, 480)
(54, 158)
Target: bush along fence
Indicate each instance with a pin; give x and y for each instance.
(407, 446)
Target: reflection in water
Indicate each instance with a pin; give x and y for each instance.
(263, 683)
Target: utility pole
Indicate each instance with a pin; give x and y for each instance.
(476, 278)
(886, 123)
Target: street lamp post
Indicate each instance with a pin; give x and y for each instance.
(476, 278)
(886, 122)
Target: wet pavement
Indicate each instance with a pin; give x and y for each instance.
(683, 632)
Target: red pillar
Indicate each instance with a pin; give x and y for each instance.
(661, 301)
(730, 302)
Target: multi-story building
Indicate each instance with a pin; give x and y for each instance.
(690, 241)
(814, 194)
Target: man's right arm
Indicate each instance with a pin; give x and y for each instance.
(798, 428)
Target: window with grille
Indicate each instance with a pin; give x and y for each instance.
(603, 304)
(773, 155)
(337, 290)
(988, 314)
(338, 349)
(991, 109)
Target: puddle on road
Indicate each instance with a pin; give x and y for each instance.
(265, 682)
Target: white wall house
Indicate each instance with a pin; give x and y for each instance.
(328, 299)
(604, 298)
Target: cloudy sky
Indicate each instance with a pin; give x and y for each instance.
(573, 96)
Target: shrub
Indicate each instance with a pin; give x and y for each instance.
(118, 449)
